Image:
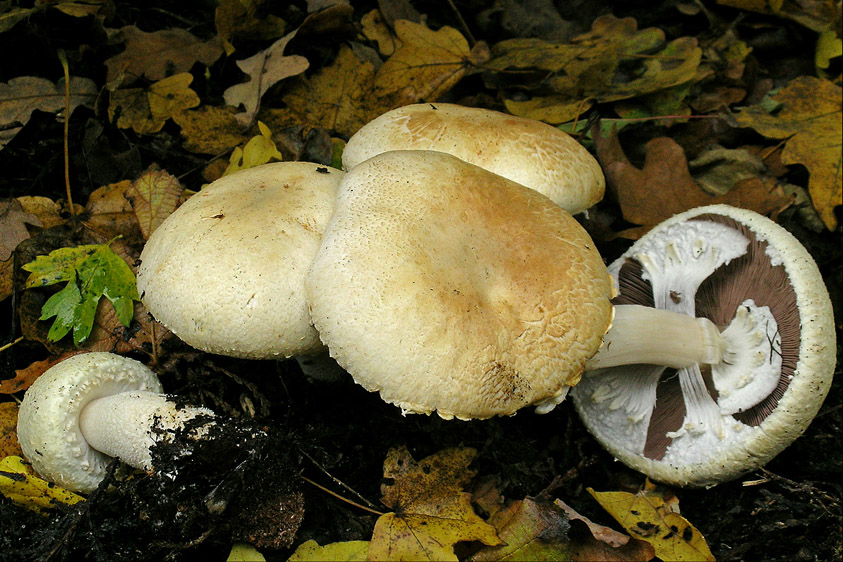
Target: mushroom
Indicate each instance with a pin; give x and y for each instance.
(91, 407)
(225, 272)
(448, 288)
(526, 151)
(689, 406)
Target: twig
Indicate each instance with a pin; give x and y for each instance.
(11, 343)
(337, 480)
(339, 497)
(66, 68)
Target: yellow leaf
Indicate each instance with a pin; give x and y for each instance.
(375, 29)
(649, 517)
(529, 531)
(153, 196)
(809, 118)
(339, 97)
(426, 65)
(243, 552)
(550, 109)
(829, 46)
(9, 445)
(259, 150)
(431, 512)
(349, 551)
(210, 129)
(146, 111)
(19, 485)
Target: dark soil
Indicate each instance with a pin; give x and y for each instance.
(246, 485)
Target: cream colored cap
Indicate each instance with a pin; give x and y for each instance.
(448, 288)
(225, 272)
(529, 152)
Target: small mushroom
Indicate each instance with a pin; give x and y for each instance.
(225, 272)
(526, 151)
(721, 396)
(92, 407)
(448, 288)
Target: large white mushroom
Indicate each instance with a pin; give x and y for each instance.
(89, 408)
(225, 272)
(710, 401)
(526, 151)
(448, 288)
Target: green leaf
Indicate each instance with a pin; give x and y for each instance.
(91, 272)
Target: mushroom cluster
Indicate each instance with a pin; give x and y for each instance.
(92, 407)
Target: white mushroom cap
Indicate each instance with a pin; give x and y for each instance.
(526, 151)
(761, 287)
(446, 287)
(48, 420)
(225, 272)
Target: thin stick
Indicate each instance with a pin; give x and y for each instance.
(339, 497)
(337, 480)
(66, 68)
(10, 344)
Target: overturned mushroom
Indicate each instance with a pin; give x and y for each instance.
(91, 407)
(225, 272)
(448, 288)
(526, 151)
(689, 406)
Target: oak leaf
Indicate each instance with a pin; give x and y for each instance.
(809, 118)
(665, 186)
(265, 69)
(431, 511)
(13, 221)
(159, 54)
(653, 517)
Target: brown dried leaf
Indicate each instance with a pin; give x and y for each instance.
(665, 186)
(159, 54)
(26, 376)
(13, 221)
(110, 214)
(210, 130)
(529, 531)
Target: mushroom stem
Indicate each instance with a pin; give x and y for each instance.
(126, 425)
(644, 335)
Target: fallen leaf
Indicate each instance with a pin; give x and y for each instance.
(240, 18)
(339, 97)
(265, 69)
(375, 29)
(19, 484)
(665, 186)
(10, 17)
(349, 551)
(553, 109)
(529, 531)
(13, 221)
(110, 214)
(153, 197)
(26, 376)
(244, 552)
(210, 129)
(146, 110)
(598, 543)
(426, 65)
(647, 516)
(9, 445)
(20, 96)
(589, 65)
(431, 512)
(91, 272)
(159, 54)
(814, 15)
(810, 119)
(258, 151)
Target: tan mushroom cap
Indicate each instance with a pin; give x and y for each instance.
(529, 152)
(225, 272)
(448, 288)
